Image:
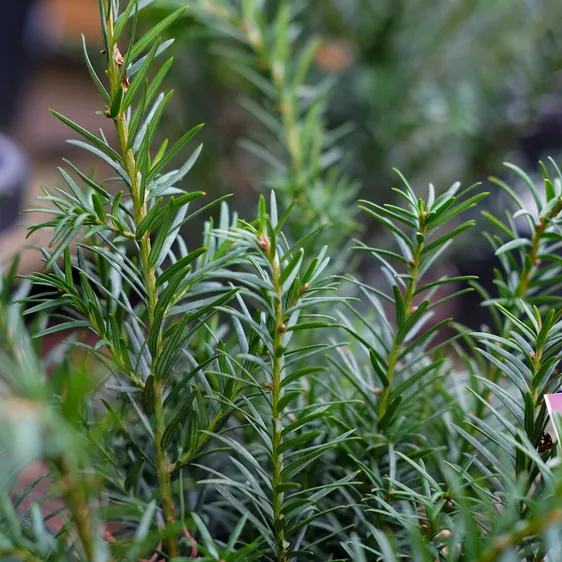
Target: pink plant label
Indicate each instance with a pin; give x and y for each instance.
(554, 407)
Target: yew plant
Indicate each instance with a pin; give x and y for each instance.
(232, 395)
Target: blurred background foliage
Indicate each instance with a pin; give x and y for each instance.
(443, 90)
(440, 89)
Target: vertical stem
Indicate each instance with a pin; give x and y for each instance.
(77, 498)
(530, 264)
(287, 106)
(162, 465)
(525, 279)
(21, 555)
(149, 278)
(524, 462)
(277, 427)
(408, 299)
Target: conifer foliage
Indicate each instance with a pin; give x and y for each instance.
(235, 395)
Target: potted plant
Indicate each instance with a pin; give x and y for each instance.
(237, 403)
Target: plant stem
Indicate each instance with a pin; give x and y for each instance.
(277, 427)
(530, 263)
(527, 273)
(288, 109)
(77, 498)
(396, 344)
(149, 278)
(523, 462)
(162, 463)
(20, 554)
